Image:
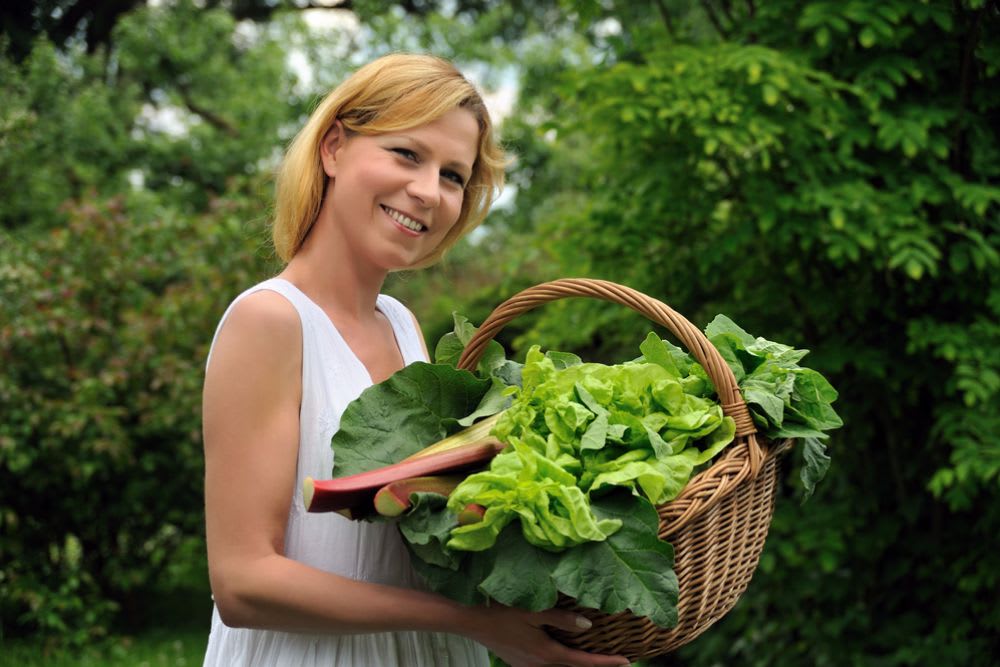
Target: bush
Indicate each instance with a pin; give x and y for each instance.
(105, 327)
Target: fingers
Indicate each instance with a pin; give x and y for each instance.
(564, 620)
(536, 647)
(574, 622)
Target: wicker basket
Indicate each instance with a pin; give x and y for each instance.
(719, 522)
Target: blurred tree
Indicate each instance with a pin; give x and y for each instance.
(826, 173)
(104, 326)
(61, 21)
(63, 132)
(93, 22)
(181, 104)
(131, 211)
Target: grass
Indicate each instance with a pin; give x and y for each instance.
(158, 647)
(173, 633)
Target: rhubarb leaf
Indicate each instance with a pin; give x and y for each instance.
(461, 585)
(521, 574)
(496, 399)
(632, 569)
(391, 420)
(427, 527)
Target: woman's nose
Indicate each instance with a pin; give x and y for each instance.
(426, 186)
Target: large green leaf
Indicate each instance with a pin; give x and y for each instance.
(415, 407)
(521, 574)
(427, 527)
(632, 569)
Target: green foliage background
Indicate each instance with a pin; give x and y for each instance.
(826, 173)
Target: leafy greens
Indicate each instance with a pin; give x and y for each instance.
(569, 505)
(579, 428)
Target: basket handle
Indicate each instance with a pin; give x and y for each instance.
(693, 339)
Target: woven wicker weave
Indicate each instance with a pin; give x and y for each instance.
(719, 522)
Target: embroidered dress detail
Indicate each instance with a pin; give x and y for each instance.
(332, 376)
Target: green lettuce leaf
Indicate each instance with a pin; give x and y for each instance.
(564, 414)
(521, 483)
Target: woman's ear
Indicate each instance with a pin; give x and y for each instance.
(332, 141)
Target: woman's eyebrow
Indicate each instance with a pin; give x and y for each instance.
(458, 165)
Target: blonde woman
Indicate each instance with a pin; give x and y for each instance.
(393, 167)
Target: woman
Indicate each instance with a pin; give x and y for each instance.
(391, 169)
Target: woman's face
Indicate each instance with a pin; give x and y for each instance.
(395, 196)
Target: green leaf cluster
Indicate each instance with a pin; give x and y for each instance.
(568, 506)
(630, 570)
(822, 171)
(785, 399)
(135, 172)
(576, 429)
(104, 327)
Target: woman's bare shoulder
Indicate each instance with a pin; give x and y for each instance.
(263, 330)
(255, 365)
(263, 314)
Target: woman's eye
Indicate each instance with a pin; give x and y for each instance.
(455, 177)
(406, 153)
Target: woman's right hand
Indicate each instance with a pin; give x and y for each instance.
(518, 637)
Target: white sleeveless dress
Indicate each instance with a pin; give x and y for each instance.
(332, 376)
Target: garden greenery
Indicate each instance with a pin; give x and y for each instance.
(827, 173)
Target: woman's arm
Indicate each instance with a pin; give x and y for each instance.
(251, 430)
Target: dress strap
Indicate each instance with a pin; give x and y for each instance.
(408, 337)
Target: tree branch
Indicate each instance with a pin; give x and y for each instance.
(714, 18)
(261, 12)
(727, 9)
(665, 15)
(209, 116)
(751, 36)
(967, 77)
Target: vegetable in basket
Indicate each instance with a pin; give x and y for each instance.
(568, 506)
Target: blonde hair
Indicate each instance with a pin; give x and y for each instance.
(393, 93)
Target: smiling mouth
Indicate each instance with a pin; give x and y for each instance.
(404, 220)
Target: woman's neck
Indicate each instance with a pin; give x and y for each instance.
(336, 280)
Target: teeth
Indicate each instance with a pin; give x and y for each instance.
(404, 220)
